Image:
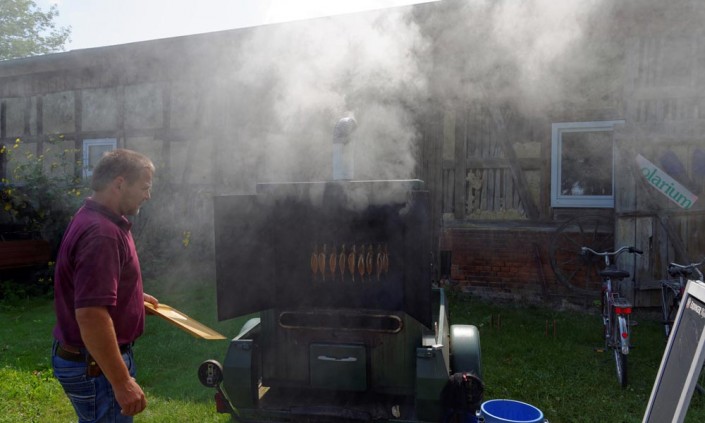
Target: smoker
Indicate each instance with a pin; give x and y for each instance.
(344, 322)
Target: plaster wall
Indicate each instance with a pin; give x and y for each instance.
(143, 106)
(58, 112)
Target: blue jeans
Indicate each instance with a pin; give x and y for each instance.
(92, 397)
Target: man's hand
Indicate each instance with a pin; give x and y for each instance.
(130, 397)
(150, 299)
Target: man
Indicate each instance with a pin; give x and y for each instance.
(99, 299)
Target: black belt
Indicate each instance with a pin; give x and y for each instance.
(83, 354)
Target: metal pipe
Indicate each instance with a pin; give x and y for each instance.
(343, 160)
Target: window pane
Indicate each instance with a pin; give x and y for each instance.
(95, 152)
(586, 163)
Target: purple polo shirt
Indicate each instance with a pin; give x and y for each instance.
(97, 265)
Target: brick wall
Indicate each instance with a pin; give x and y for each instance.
(506, 264)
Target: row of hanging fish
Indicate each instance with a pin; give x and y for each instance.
(363, 262)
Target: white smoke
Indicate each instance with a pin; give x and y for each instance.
(297, 80)
(277, 91)
(537, 35)
(522, 52)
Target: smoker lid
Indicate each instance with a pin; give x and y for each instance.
(265, 243)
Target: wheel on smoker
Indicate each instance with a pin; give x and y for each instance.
(465, 351)
(578, 272)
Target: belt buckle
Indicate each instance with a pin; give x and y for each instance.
(92, 367)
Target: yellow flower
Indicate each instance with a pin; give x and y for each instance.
(8, 206)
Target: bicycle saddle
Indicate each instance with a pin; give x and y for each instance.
(614, 273)
(675, 271)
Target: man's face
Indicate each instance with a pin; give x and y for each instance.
(133, 195)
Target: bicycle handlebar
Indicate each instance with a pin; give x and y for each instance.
(633, 250)
(686, 269)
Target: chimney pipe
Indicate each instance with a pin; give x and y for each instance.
(343, 160)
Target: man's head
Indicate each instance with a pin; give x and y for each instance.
(122, 180)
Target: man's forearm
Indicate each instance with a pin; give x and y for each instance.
(98, 335)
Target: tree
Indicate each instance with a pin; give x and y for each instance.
(25, 30)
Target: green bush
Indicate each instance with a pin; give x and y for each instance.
(38, 196)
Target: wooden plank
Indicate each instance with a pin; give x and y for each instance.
(3, 121)
(625, 185)
(499, 190)
(521, 184)
(502, 163)
(507, 191)
(484, 191)
(183, 321)
(460, 169)
(448, 184)
(24, 253)
(432, 174)
(493, 189)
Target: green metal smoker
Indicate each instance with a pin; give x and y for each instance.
(344, 324)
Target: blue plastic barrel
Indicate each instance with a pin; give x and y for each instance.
(510, 411)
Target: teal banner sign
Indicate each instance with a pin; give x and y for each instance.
(665, 184)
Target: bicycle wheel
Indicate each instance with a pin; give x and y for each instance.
(605, 308)
(669, 307)
(621, 362)
(620, 359)
(580, 273)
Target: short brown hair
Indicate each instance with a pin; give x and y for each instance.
(121, 162)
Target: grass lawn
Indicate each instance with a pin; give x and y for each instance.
(167, 360)
(566, 375)
(563, 375)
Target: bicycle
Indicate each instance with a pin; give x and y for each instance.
(672, 290)
(671, 295)
(615, 309)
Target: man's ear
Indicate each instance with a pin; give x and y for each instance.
(119, 183)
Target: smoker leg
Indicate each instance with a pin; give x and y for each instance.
(431, 377)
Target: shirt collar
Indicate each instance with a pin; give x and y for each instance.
(120, 221)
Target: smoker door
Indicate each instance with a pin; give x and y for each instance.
(265, 246)
(244, 271)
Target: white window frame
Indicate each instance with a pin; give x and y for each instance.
(95, 142)
(586, 201)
